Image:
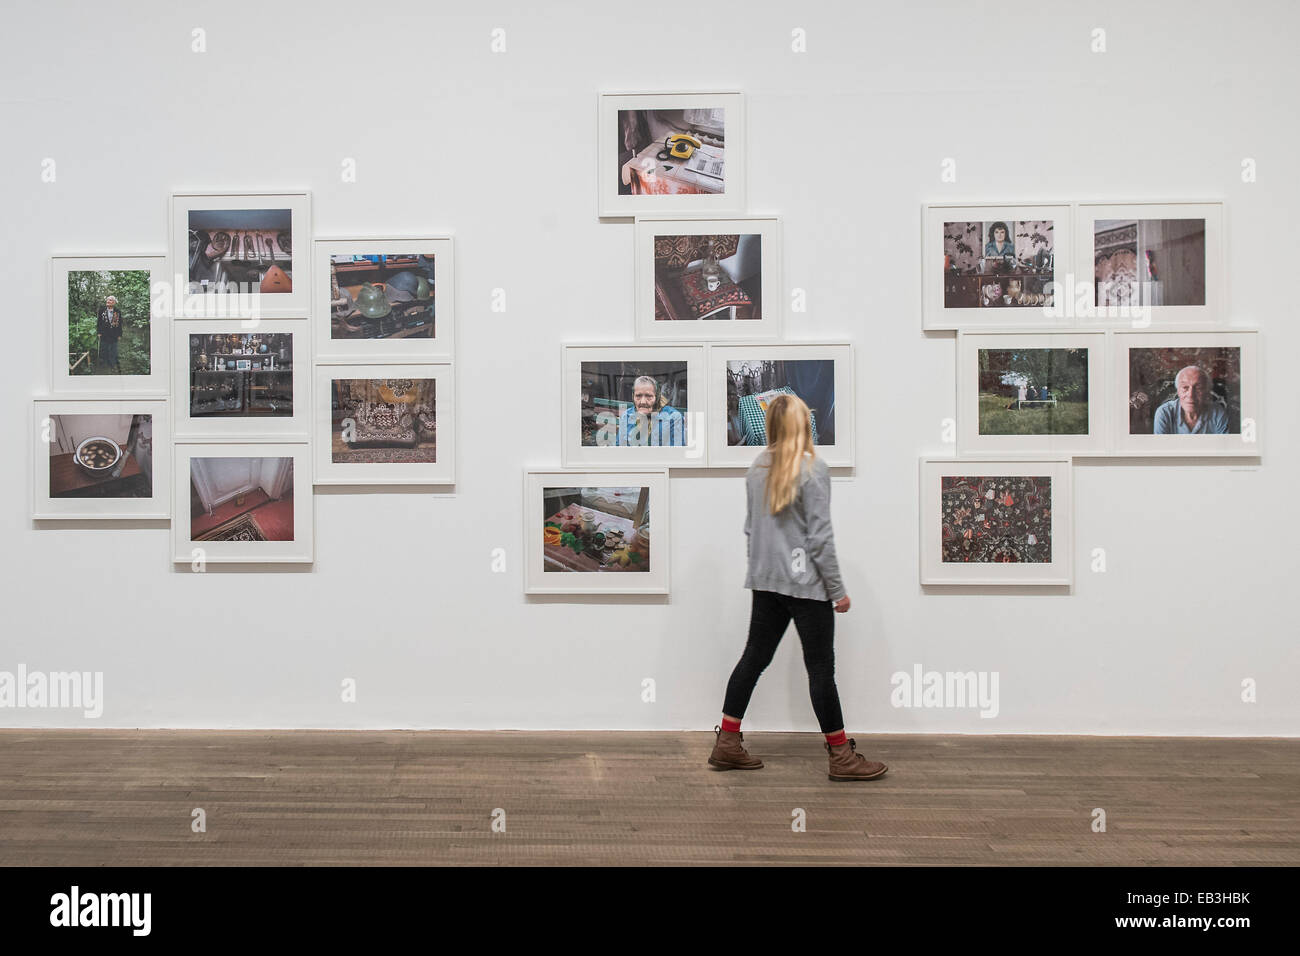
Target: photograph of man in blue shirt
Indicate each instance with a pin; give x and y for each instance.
(642, 423)
(1191, 411)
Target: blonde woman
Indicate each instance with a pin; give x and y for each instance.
(793, 574)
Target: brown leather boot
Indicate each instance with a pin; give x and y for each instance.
(848, 764)
(729, 752)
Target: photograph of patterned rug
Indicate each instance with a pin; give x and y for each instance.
(243, 528)
(989, 519)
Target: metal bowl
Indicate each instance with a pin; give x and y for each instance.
(96, 456)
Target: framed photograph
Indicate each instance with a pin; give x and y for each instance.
(1150, 264)
(995, 266)
(101, 459)
(110, 334)
(674, 154)
(1028, 393)
(708, 279)
(1187, 393)
(234, 382)
(384, 300)
(242, 503)
(590, 532)
(385, 425)
(634, 406)
(240, 256)
(987, 522)
(744, 378)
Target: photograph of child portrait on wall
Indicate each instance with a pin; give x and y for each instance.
(752, 383)
(1184, 391)
(596, 529)
(241, 374)
(635, 403)
(101, 456)
(109, 331)
(992, 519)
(672, 151)
(1149, 262)
(241, 499)
(240, 250)
(382, 296)
(998, 264)
(1033, 391)
(387, 420)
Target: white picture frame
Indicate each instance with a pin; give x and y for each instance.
(1149, 314)
(142, 448)
(62, 379)
(398, 347)
(1058, 571)
(591, 394)
(442, 471)
(255, 471)
(971, 440)
(259, 243)
(968, 286)
(214, 426)
(1130, 408)
(662, 290)
(671, 173)
(579, 573)
(726, 424)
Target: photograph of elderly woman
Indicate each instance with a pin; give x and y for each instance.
(1190, 391)
(596, 529)
(998, 264)
(634, 403)
(108, 322)
(1033, 391)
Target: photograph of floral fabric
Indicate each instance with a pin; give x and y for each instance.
(384, 421)
(997, 520)
(682, 287)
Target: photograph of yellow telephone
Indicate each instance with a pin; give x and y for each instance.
(679, 146)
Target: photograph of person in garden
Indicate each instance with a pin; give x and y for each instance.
(108, 322)
(1033, 391)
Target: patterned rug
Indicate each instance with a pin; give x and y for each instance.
(243, 528)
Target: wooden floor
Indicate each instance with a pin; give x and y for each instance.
(405, 797)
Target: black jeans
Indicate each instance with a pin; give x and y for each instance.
(768, 620)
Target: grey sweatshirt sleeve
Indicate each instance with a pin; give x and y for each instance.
(821, 538)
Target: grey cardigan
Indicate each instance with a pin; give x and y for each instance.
(792, 553)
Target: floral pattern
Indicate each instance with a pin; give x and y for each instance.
(991, 519)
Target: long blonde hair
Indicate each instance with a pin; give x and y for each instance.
(789, 443)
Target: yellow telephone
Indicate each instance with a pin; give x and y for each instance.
(679, 146)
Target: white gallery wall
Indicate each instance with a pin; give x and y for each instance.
(846, 141)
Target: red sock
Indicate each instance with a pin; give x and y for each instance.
(838, 739)
(730, 726)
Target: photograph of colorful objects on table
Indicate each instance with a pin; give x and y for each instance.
(1031, 392)
(242, 255)
(634, 405)
(986, 522)
(242, 503)
(671, 153)
(590, 533)
(384, 299)
(995, 265)
(743, 379)
(1152, 264)
(110, 333)
(101, 459)
(708, 278)
(231, 382)
(385, 425)
(1187, 393)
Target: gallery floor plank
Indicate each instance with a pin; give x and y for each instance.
(407, 797)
